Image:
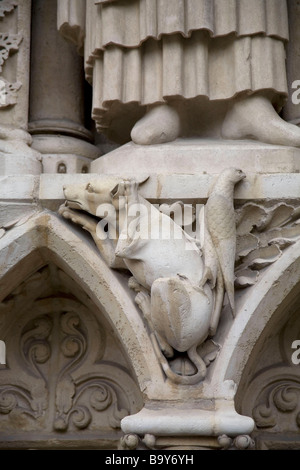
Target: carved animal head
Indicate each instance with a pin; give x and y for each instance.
(89, 196)
(226, 180)
(234, 175)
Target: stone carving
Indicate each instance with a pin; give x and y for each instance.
(8, 92)
(179, 291)
(6, 6)
(57, 373)
(283, 398)
(156, 67)
(149, 441)
(263, 232)
(240, 442)
(8, 43)
(272, 390)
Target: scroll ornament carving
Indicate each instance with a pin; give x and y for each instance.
(37, 349)
(179, 282)
(52, 374)
(283, 398)
(273, 394)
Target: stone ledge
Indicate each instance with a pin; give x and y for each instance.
(48, 188)
(189, 156)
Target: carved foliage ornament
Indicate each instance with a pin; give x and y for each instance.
(262, 234)
(48, 339)
(54, 375)
(9, 43)
(8, 92)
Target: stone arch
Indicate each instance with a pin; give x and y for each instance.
(263, 311)
(44, 239)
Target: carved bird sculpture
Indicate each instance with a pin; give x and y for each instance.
(221, 225)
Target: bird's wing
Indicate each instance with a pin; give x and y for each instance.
(220, 217)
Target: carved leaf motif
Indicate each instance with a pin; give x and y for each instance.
(246, 244)
(261, 257)
(245, 278)
(7, 6)
(249, 216)
(65, 392)
(8, 43)
(262, 234)
(12, 397)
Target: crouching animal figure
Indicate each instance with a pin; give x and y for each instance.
(179, 289)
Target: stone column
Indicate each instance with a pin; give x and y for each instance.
(57, 107)
(291, 111)
(17, 156)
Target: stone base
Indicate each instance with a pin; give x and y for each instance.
(64, 154)
(190, 156)
(188, 422)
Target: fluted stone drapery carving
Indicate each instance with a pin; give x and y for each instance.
(140, 53)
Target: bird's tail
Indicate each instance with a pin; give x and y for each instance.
(229, 287)
(182, 379)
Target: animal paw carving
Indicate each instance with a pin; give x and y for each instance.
(87, 222)
(143, 301)
(134, 284)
